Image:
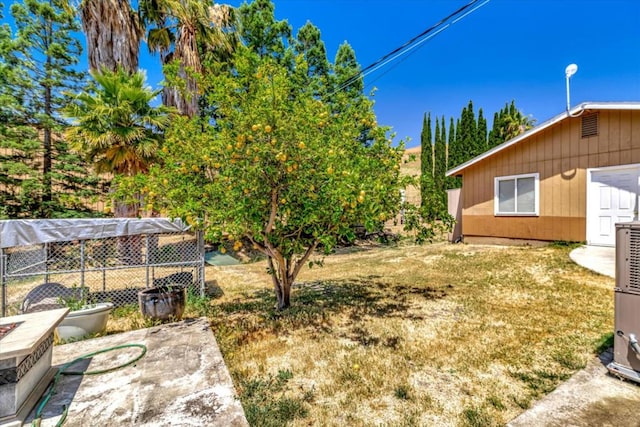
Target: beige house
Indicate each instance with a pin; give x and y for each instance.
(571, 178)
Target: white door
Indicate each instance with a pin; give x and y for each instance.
(613, 198)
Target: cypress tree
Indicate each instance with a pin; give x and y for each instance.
(440, 157)
(436, 148)
(494, 133)
(432, 202)
(426, 160)
(481, 138)
(451, 181)
(456, 148)
(469, 135)
(450, 141)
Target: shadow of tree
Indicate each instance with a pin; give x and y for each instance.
(315, 306)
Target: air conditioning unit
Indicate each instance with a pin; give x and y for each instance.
(626, 349)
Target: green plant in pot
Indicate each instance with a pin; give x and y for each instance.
(85, 318)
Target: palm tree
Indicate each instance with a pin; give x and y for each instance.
(509, 123)
(515, 123)
(186, 31)
(115, 126)
(113, 34)
(120, 132)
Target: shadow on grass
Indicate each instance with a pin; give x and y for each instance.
(315, 305)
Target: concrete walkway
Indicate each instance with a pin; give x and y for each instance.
(591, 397)
(601, 259)
(181, 381)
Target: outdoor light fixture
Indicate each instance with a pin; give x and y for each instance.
(569, 71)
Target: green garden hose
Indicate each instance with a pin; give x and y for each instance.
(63, 371)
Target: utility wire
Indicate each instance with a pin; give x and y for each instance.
(417, 45)
(414, 42)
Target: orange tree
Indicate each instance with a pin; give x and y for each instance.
(277, 167)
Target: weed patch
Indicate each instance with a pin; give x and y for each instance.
(267, 403)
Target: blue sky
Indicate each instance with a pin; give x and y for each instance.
(507, 49)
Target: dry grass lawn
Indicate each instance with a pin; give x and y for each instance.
(435, 335)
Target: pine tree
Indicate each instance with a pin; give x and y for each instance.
(261, 32)
(347, 72)
(18, 140)
(45, 55)
(309, 44)
(346, 81)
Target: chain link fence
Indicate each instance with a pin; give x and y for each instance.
(112, 269)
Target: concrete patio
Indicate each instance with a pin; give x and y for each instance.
(600, 259)
(181, 381)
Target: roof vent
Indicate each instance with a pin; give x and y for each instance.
(590, 125)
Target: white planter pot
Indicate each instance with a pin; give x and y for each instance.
(85, 321)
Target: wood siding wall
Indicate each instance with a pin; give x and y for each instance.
(562, 158)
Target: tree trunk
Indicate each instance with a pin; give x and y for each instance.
(281, 284)
(187, 53)
(113, 34)
(129, 247)
(283, 295)
(284, 270)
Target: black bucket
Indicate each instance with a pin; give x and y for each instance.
(163, 302)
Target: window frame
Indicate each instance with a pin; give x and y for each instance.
(536, 194)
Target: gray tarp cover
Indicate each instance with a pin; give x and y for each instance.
(25, 232)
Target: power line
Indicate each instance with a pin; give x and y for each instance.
(415, 42)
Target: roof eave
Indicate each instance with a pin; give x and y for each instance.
(577, 110)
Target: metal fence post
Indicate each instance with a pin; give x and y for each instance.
(3, 279)
(200, 243)
(46, 262)
(82, 265)
(146, 259)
